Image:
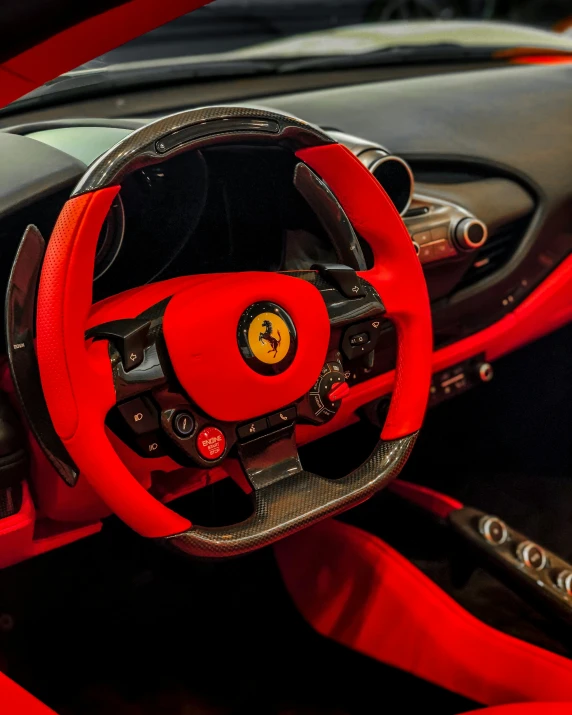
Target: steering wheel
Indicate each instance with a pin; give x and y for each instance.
(278, 340)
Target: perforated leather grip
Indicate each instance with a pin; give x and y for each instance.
(294, 502)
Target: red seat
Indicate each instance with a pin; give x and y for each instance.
(352, 587)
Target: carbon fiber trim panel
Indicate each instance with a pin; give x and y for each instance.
(140, 148)
(295, 502)
(10, 501)
(19, 311)
(331, 215)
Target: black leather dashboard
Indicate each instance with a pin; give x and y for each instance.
(498, 141)
(511, 122)
(516, 118)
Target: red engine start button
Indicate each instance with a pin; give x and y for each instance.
(211, 443)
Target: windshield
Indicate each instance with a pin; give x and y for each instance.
(226, 25)
(245, 37)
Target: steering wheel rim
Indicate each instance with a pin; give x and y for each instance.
(76, 374)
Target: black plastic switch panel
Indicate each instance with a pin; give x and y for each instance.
(140, 415)
(344, 278)
(129, 337)
(282, 418)
(251, 429)
(150, 445)
(359, 339)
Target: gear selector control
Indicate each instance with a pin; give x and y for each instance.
(526, 565)
(493, 529)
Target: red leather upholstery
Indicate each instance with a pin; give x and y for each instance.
(352, 587)
(527, 709)
(228, 389)
(76, 375)
(396, 274)
(14, 700)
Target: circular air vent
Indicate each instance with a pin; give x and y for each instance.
(393, 173)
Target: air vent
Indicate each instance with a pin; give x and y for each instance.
(496, 252)
(393, 173)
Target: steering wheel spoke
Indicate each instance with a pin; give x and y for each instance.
(271, 457)
(287, 505)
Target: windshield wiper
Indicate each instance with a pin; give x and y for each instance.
(442, 52)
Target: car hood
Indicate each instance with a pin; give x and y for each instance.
(356, 40)
(360, 39)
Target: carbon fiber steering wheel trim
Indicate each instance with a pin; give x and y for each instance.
(176, 133)
(294, 502)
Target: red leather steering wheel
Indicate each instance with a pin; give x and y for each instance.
(83, 379)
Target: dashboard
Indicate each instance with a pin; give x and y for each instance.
(480, 171)
(242, 211)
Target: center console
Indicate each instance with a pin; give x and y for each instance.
(541, 574)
